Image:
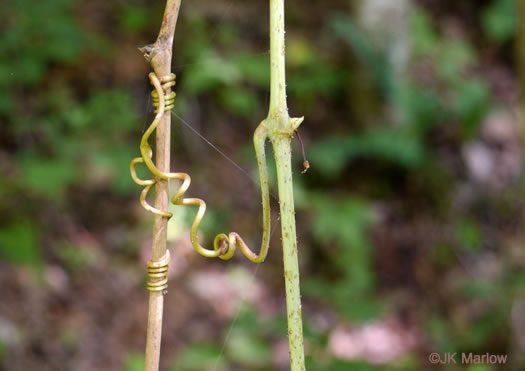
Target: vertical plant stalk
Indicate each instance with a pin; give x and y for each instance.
(280, 129)
(159, 55)
(282, 150)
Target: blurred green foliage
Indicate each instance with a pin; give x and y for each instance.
(19, 243)
(350, 255)
(199, 357)
(58, 134)
(500, 20)
(134, 362)
(70, 124)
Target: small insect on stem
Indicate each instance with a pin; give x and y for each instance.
(306, 164)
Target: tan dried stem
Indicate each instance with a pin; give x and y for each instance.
(159, 55)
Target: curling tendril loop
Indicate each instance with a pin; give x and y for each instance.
(224, 245)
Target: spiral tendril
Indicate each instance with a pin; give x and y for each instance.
(223, 245)
(158, 274)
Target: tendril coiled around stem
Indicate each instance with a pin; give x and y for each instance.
(223, 245)
(158, 274)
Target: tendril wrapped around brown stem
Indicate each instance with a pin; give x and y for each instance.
(223, 245)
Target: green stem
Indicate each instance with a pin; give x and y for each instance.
(280, 129)
(283, 154)
(278, 105)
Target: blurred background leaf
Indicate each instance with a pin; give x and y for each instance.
(408, 219)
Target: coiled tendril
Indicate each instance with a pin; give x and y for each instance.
(158, 274)
(223, 245)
